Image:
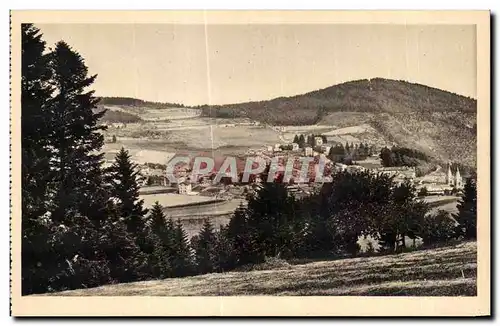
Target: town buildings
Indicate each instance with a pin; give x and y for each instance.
(308, 151)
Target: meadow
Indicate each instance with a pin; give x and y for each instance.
(445, 271)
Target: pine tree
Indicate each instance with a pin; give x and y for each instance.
(160, 242)
(73, 193)
(204, 248)
(36, 177)
(467, 211)
(238, 234)
(296, 139)
(386, 157)
(223, 250)
(182, 264)
(268, 214)
(124, 176)
(127, 261)
(76, 139)
(302, 141)
(157, 219)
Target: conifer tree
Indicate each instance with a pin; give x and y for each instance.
(68, 139)
(386, 157)
(126, 260)
(223, 250)
(204, 248)
(296, 139)
(302, 141)
(160, 242)
(347, 149)
(268, 214)
(76, 139)
(157, 219)
(366, 150)
(35, 172)
(467, 211)
(238, 234)
(124, 176)
(181, 261)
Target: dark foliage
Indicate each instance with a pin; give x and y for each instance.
(204, 246)
(129, 101)
(439, 228)
(124, 176)
(401, 156)
(374, 96)
(467, 211)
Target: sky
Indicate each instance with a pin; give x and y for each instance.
(219, 64)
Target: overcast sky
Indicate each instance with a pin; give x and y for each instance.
(218, 64)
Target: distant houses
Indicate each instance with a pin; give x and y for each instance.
(184, 188)
(308, 151)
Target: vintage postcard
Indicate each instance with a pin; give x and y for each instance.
(250, 163)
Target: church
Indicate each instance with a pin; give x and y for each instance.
(454, 180)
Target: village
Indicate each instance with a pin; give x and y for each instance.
(193, 201)
(438, 182)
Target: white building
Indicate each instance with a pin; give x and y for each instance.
(186, 188)
(455, 181)
(118, 125)
(295, 147)
(308, 151)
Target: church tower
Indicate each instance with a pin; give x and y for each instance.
(458, 179)
(449, 176)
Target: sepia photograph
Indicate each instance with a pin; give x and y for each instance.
(262, 157)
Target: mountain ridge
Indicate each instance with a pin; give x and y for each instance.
(439, 123)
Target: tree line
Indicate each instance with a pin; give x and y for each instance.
(401, 156)
(84, 225)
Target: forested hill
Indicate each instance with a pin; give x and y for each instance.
(130, 101)
(437, 122)
(370, 96)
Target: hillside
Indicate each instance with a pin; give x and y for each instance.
(111, 116)
(448, 271)
(129, 101)
(437, 122)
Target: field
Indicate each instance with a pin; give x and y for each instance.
(183, 130)
(447, 271)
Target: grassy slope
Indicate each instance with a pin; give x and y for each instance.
(449, 271)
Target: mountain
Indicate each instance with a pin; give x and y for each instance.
(437, 122)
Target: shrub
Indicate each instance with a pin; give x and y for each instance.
(439, 228)
(423, 192)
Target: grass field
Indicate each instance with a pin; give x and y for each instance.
(447, 271)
